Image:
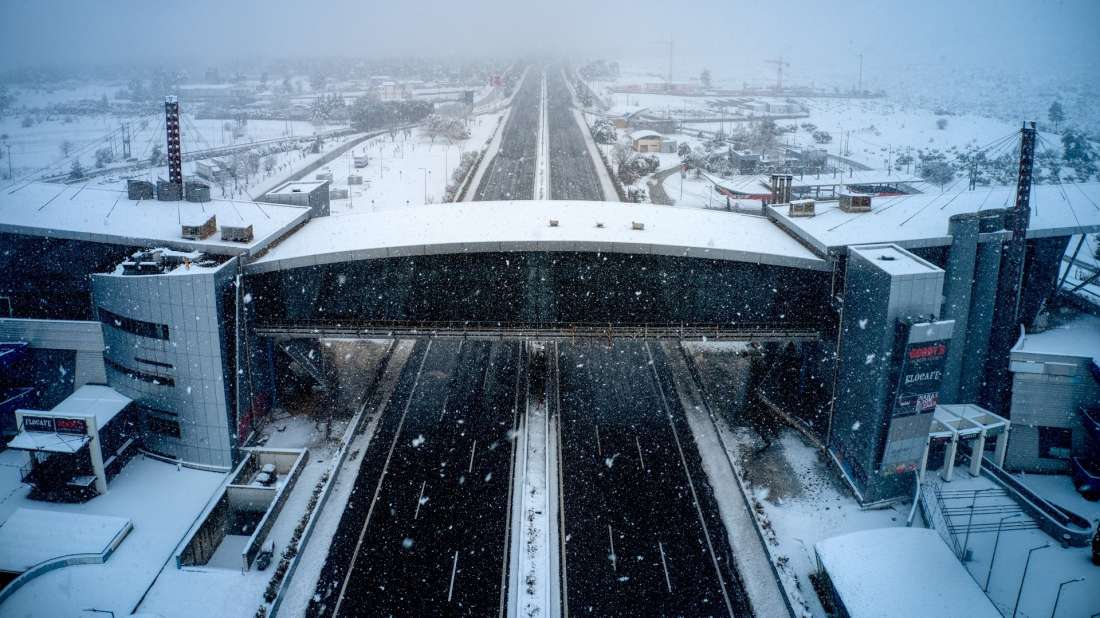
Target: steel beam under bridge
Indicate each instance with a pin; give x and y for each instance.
(385, 329)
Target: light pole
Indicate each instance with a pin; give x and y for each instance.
(426, 172)
(1058, 597)
(970, 522)
(1023, 577)
(996, 542)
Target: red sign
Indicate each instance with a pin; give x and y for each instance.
(70, 425)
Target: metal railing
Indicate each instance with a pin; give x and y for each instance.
(371, 329)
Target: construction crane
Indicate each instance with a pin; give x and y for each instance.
(779, 64)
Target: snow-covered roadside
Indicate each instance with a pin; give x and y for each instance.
(798, 501)
(303, 583)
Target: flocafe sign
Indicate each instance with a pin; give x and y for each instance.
(55, 425)
(38, 423)
(918, 388)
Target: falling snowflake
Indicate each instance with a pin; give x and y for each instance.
(870, 359)
(407, 543)
(863, 323)
(855, 426)
(418, 440)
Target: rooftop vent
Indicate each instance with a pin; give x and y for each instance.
(851, 202)
(197, 192)
(637, 225)
(236, 233)
(553, 223)
(169, 191)
(599, 224)
(801, 208)
(140, 190)
(144, 263)
(199, 231)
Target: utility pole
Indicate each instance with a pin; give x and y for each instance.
(859, 89)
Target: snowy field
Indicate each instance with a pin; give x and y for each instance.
(40, 145)
(404, 172)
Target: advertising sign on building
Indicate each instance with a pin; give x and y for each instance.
(70, 425)
(918, 388)
(38, 423)
(919, 355)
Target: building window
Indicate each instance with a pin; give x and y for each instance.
(139, 375)
(154, 363)
(1055, 442)
(163, 426)
(135, 327)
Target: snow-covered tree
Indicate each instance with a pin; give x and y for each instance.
(704, 78)
(76, 171)
(941, 123)
(1056, 114)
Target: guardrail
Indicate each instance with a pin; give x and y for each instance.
(383, 329)
(1063, 525)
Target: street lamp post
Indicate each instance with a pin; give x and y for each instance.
(996, 542)
(1023, 577)
(970, 522)
(426, 172)
(1058, 597)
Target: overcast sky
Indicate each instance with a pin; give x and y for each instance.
(725, 34)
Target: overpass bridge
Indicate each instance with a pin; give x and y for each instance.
(428, 329)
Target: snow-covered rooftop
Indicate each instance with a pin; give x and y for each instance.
(913, 221)
(102, 402)
(297, 186)
(644, 134)
(901, 572)
(481, 227)
(895, 261)
(1079, 336)
(106, 215)
(30, 536)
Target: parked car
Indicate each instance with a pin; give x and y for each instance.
(263, 559)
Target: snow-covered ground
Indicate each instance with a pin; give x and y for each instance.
(404, 171)
(40, 145)
(1049, 567)
(799, 501)
(160, 499)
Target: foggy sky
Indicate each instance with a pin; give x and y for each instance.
(719, 33)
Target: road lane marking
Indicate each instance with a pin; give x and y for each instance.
(641, 462)
(564, 570)
(611, 556)
(661, 548)
(691, 484)
(473, 449)
(454, 569)
(419, 500)
(381, 479)
(599, 449)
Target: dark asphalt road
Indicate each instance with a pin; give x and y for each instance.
(438, 473)
(511, 173)
(572, 172)
(636, 544)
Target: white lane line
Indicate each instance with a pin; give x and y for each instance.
(454, 569)
(381, 479)
(442, 411)
(611, 556)
(668, 581)
(599, 450)
(473, 449)
(563, 597)
(691, 484)
(419, 500)
(641, 462)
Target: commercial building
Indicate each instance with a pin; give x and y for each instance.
(119, 292)
(1055, 378)
(75, 448)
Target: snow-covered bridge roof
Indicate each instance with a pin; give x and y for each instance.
(481, 227)
(920, 220)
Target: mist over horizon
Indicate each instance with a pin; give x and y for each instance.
(821, 41)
